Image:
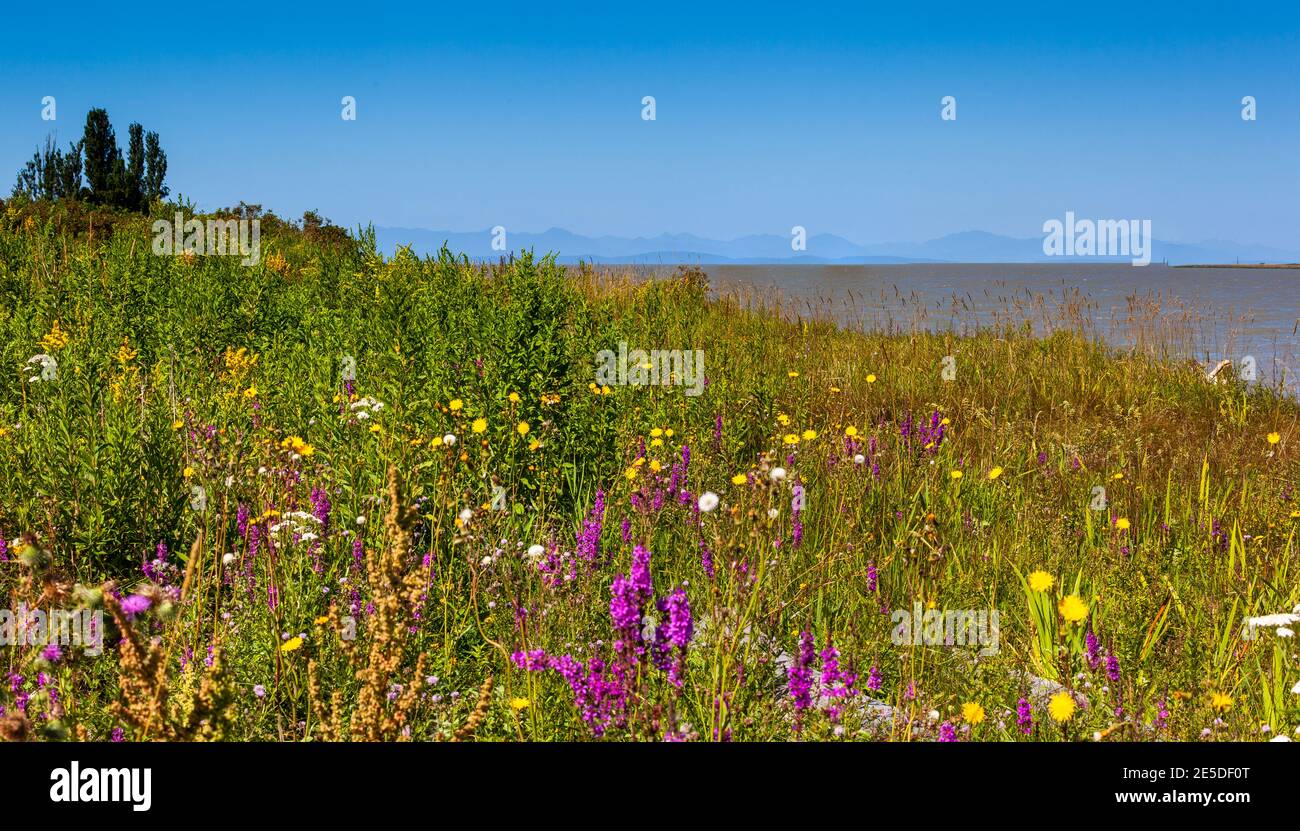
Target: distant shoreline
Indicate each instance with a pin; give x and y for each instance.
(1241, 265)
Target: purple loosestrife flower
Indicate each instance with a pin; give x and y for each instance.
(873, 679)
(1112, 667)
(118, 735)
(673, 633)
(800, 673)
(588, 538)
(627, 605)
(4, 550)
(706, 559)
(320, 507)
(830, 665)
(717, 433)
(627, 530)
(1092, 652)
(871, 577)
(241, 520)
(1024, 716)
(947, 733)
(52, 653)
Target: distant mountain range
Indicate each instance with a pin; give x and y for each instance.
(669, 249)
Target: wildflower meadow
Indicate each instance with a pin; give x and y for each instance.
(336, 495)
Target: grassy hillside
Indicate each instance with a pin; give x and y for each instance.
(336, 495)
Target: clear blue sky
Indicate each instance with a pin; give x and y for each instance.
(528, 115)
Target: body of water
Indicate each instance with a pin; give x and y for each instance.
(1203, 313)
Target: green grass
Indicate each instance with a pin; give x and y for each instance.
(153, 398)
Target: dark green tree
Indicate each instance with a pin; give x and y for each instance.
(99, 144)
(51, 174)
(155, 169)
(132, 181)
(135, 167)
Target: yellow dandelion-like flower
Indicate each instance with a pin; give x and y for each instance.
(1118, 476)
(514, 397)
(793, 374)
(791, 438)
(455, 405)
(1122, 524)
(518, 704)
(669, 432)
(630, 473)
(605, 390)
(522, 428)
(945, 422)
(1274, 438)
(809, 435)
(323, 619)
(188, 472)
(995, 473)
(850, 431)
(534, 444)
(656, 442)
(656, 433)
(783, 419)
(1061, 707)
(251, 392)
(655, 466)
(739, 479)
(1040, 581)
(290, 645)
(297, 445)
(956, 474)
(835, 390)
(1072, 608)
(1220, 701)
(972, 713)
(871, 379)
(177, 424)
(479, 425)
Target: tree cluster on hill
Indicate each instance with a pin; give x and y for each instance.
(133, 180)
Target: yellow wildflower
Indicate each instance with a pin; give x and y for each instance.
(479, 425)
(972, 713)
(290, 645)
(56, 339)
(1072, 608)
(1061, 707)
(1040, 581)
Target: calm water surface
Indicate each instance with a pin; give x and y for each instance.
(1201, 313)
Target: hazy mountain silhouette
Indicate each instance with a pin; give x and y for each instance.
(666, 249)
